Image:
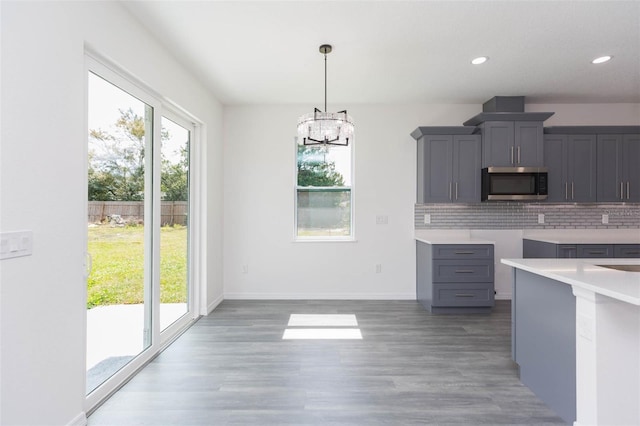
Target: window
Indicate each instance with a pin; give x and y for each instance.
(324, 192)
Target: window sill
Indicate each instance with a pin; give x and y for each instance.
(324, 240)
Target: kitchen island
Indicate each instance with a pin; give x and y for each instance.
(576, 336)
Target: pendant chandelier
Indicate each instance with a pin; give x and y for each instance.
(325, 128)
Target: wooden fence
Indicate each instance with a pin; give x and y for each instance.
(172, 212)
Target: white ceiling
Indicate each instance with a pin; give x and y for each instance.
(266, 52)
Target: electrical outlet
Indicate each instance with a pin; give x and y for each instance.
(427, 218)
(378, 268)
(605, 219)
(245, 269)
(540, 217)
(382, 220)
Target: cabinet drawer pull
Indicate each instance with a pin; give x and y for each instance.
(464, 271)
(632, 252)
(596, 252)
(464, 295)
(464, 252)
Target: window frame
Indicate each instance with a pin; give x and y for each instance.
(325, 238)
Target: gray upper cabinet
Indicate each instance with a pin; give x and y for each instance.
(617, 168)
(448, 168)
(571, 162)
(512, 143)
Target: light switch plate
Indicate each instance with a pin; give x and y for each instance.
(16, 244)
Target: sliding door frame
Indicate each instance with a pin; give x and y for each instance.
(95, 63)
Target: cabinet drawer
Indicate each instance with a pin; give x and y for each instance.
(626, 250)
(456, 271)
(470, 294)
(595, 250)
(463, 251)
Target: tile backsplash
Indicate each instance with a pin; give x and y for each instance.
(513, 215)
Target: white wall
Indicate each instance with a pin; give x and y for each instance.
(259, 181)
(42, 186)
(258, 208)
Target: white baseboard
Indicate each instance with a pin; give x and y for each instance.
(320, 296)
(214, 304)
(79, 420)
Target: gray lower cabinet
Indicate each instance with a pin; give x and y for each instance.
(512, 143)
(541, 249)
(449, 169)
(571, 164)
(617, 168)
(455, 278)
(626, 250)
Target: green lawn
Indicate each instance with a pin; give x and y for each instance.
(117, 276)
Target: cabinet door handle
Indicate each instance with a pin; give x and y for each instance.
(464, 295)
(572, 197)
(511, 155)
(464, 271)
(450, 191)
(621, 191)
(457, 190)
(566, 191)
(518, 155)
(596, 252)
(627, 190)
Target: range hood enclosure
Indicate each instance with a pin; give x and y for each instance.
(504, 104)
(506, 108)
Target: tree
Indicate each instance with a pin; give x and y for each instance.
(116, 163)
(314, 170)
(174, 181)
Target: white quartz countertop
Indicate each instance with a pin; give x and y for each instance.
(587, 274)
(585, 236)
(448, 237)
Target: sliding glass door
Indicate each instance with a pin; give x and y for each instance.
(174, 231)
(139, 291)
(119, 191)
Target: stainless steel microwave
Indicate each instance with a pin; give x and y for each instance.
(514, 184)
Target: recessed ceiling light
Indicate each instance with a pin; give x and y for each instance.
(601, 59)
(480, 60)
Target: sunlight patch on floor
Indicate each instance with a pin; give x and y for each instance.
(322, 333)
(325, 327)
(328, 320)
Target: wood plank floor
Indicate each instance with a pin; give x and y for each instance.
(411, 367)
